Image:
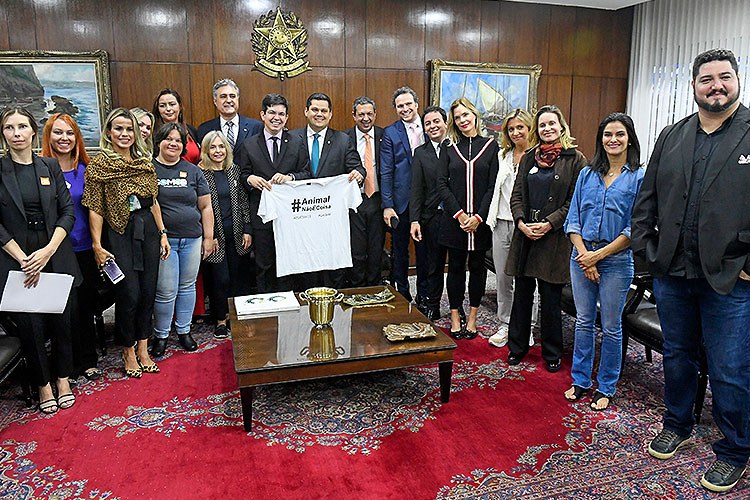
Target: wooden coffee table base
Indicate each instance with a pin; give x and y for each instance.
(287, 347)
(248, 382)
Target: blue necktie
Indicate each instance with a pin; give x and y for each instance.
(315, 154)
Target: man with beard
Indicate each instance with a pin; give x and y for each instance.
(691, 223)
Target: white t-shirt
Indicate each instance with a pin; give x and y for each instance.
(311, 223)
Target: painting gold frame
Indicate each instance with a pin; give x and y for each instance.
(48, 82)
(495, 89)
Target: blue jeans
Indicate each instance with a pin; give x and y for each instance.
(688, 308)
(615, 276)
(175, 288)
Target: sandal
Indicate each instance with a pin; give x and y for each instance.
(470, 334)
(66, 401)
(49, 406)
(598, 396)
(578, 393)
(92, 374)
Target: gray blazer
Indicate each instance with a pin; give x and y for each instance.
(724, 218)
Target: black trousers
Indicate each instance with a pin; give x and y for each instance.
(367, 231)
(333, 278)
(550, 317)
(265, 263)
(84, 300)
(436, 254)
(137, 254)
(456, 281)
(231, 277)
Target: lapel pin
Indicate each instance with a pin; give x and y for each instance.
(44, 181)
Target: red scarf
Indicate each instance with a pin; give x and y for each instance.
(546, 154)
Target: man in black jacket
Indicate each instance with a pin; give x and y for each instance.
(425, 208)
(691, 223)
(366, 224)
(272, 157)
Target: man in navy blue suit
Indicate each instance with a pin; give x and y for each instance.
(236, 128)
(400, 139)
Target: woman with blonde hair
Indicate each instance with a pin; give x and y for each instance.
(514, 141)
(127, 227)
(228, 269)
(466, 183)
(539, 249)
(62, 140)
(146, 126)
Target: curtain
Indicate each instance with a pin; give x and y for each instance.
(667, 35)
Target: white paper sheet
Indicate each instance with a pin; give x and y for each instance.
(49, 296)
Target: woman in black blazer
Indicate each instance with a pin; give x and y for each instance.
(466, 183)
(36, 217)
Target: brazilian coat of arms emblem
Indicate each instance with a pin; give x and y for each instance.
(280, 43)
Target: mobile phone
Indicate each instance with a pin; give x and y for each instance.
(113, 271)
(394, 222)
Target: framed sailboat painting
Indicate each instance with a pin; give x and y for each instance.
(495, 89)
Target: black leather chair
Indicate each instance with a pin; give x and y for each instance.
(12, 360)
(640, 322)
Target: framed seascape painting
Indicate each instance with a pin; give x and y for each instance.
(45, 83)
(495, 89)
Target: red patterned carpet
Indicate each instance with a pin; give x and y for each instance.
(506, 433)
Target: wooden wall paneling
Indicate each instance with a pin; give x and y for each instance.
(21, 26)
(524, 33)
(327, 80)
(355, 86)
(325, 30)
(136, 84)
(489, 41)
(603, 42)
(613, 95)
(200, 106)
(200, 16)
(562, 40)
(452, 30)
(586, 112)
(232, 25)
(355, 33)
(4, 41)
(150, 30)
(395, 34)
(254, 85)
(382, 82)
(557, 90)
(73, 25)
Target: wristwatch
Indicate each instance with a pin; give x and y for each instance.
(163, 231)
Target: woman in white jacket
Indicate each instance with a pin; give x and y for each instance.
(514, 142)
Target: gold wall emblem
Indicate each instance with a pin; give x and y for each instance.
(279, 43)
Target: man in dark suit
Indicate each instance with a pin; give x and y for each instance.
(272, 157)
(400, 139)
(366, 224)
(691, 223)
(425, 207)
(330, 153)
(235, 127)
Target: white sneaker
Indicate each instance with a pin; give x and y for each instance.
(501, 337)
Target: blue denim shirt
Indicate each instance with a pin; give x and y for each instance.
(602, 214)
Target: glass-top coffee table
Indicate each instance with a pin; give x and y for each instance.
(287, 346)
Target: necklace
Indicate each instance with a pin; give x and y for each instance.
(611, 174)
